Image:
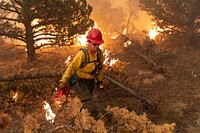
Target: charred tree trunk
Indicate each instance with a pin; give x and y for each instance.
(189, 39)
(31, 55)
(190, 33)
(28, 18)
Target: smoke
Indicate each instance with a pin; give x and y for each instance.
(118, 3)
(141, 22)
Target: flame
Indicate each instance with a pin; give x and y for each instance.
(114, 37)
(42, 41)
(68, 60)
(108, 61)
(106, 55)
(15, 96)
(50, 116)
(82, 39)
(124, 31)
(112, 62)
(34, 22)
(127, 43)
(153, 33)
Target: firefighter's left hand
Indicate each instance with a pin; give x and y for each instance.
(62, 86)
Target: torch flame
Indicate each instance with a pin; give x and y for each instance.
(50, 116)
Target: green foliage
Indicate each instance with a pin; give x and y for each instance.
(55, 20)
(175, 16)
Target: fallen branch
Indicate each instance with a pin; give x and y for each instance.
(118, 124)
(27, 77)
(60, 127)
(136, 95)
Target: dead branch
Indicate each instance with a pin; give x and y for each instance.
(14, 46)
(145, 57)
(60, 127)
(134, 94)
(118, 124)
(104, 115)
(124, 36)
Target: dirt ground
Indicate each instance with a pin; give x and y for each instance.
(173, 83)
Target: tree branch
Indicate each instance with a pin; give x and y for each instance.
(10, 35)
(9, 19)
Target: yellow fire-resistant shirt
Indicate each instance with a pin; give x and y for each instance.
(84, 72)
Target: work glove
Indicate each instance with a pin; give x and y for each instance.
(100, 84)
(62, 93)
(64, 88)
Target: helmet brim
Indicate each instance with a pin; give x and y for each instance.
(95, 41)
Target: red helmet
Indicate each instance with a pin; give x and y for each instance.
(95, 36)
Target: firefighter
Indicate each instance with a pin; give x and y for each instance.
(85, 70)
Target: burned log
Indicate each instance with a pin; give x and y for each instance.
(28, 77)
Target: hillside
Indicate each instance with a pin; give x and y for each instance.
(167, 76)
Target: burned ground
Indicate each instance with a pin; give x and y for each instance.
(168, 77)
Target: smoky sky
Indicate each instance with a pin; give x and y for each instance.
(143, 21)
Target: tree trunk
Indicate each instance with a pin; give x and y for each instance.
(127, 26)
(190, 33)
(31, 55)
(189, 37)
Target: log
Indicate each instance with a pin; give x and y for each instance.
(27, 77)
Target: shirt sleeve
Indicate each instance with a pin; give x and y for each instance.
(73, 66)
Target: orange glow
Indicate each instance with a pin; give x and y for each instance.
(124, 31)
(153, 33)
(82, 39)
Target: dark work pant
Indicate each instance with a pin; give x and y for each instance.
(84, 89)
